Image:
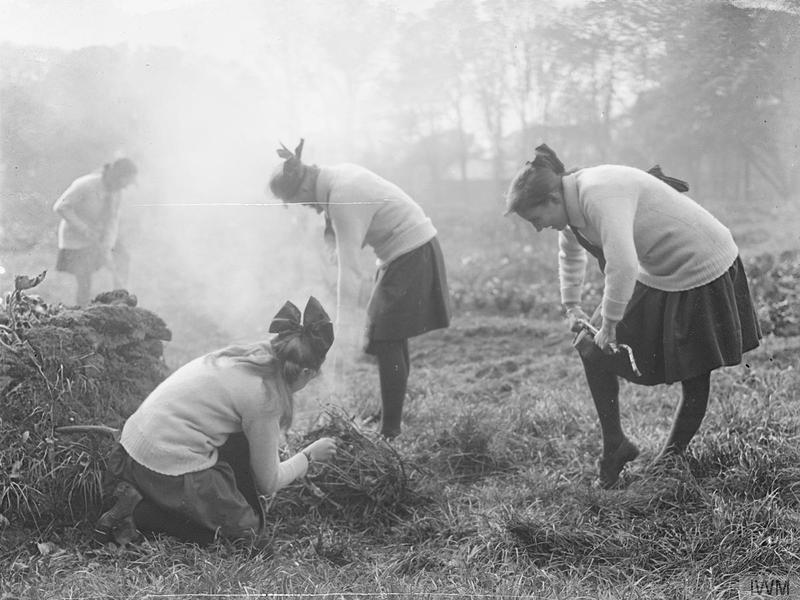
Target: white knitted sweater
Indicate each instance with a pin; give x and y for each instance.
(648, 232)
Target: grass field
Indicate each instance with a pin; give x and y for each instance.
(500, 443)
(502, 439)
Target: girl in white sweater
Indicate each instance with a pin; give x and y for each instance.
(88, 234)
(410, 295)
(675, 288)
(194, 458)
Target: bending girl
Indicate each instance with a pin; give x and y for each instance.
(675, 289)
(410, 295)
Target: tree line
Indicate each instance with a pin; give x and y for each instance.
(461, 91)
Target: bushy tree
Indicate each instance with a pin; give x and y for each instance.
(722, 98)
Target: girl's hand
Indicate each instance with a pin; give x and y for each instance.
(606, 336)
(322, 450)
(575, 316)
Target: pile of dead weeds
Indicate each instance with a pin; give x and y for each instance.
(63, 366)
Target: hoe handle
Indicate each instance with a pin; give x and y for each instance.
(102, 429)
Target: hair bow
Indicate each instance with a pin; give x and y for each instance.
(546, 157)
(673, 182)
(287, 154)
(286, 184)
(315, 326)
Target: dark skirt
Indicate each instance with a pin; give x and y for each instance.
(79, 261)
(679, 335)
(410, 296)
(221, 499)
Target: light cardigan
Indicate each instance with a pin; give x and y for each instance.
(367, 210)
(180, 426)
(647, 230)
(87, 204)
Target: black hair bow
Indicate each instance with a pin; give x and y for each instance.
(288, 182)
(678, 184)
(287, 154)
(315, 326)
(546, 157)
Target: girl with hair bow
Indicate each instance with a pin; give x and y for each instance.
(196, 455)
(675, 289)
(410, 295)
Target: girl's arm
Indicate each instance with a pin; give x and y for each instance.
(347, 225)
(270, 474)
(612, 210)
(64, 207)
(572, 260)
(111, 227)
(348, 250)
(615, 220)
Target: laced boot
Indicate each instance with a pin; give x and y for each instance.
(116, 524)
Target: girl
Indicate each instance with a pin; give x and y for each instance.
(88, 231)
(196, 454)
(410, 294)
(675, 290)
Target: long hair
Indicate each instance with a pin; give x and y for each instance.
(262, 359)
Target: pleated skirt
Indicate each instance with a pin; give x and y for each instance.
(410, 296)
(679, 335)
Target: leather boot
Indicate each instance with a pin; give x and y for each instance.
(116, 524)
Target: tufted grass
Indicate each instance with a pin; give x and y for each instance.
(503, 440)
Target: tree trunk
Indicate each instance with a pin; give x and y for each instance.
(463, 144)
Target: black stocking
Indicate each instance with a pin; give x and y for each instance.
(689, 414)
(604, 387)
(393, 368)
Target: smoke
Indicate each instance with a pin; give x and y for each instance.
(213, 253)
(211, 247)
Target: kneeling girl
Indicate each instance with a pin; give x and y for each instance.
(194, 457)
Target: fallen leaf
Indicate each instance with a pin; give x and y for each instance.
(23, 282)
(46, 548)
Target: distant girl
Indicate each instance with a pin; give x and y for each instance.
(88, 234)
(410, 296)
(675, 289)
(203, 446)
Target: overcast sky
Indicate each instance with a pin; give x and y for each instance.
(223, 28)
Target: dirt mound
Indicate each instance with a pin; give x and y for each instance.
(61, 366)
